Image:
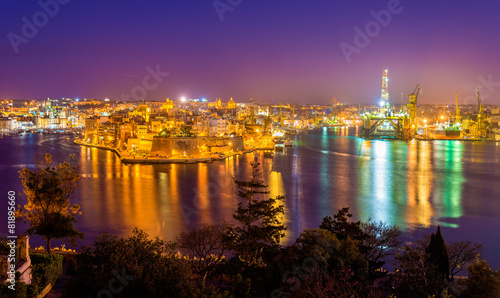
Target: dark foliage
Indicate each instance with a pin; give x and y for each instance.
(342, 227)
(139, 261)
(438, 254)
(461, 254)
(45, 269)
(205, 249)
(21, 290)
(415, 276)
(375, 241)
(482, 281)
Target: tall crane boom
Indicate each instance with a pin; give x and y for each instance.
(480, 128)
(480, 107)
(412, 108)
(414, 96)
(458, 117)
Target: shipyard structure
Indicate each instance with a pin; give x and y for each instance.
(405, 123)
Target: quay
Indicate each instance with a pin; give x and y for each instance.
(148, 160)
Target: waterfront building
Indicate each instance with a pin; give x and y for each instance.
(107, 134)
(124, 133)
(218, 127)
(6, 124)
(91, 130)
(51, 122)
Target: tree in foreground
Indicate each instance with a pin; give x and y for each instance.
(204, 247)
(461, 254)
(438, 254)
(328, 265)
(48, 188)
(375, 240)
(342, 227)
(415, 276)
(383, 240)
(259, 220)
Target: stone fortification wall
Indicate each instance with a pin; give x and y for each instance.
(171, 147)
(236, 143)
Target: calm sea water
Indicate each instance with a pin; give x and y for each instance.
(414, 185)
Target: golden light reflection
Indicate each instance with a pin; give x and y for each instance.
(420, 180)
(277, 188)
(202, 194)
(382, 191)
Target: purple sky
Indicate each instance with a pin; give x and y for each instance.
(280, 50)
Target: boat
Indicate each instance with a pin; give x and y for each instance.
(445, 134)
(268, 153)
(279, 145)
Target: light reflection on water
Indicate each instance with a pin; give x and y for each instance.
(414, 185)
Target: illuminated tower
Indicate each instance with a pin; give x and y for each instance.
(385, 89)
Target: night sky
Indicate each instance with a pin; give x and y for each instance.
(282, 50)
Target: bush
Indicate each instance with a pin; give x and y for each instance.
(4, 246)
(45, 269)
(19, 292)
(483, 281)
(141, 263)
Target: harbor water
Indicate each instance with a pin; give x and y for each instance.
(415, 185)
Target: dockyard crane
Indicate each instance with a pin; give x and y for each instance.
(458, 117)
(480, 127)
(412, 108)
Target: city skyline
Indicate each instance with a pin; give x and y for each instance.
(299, 53)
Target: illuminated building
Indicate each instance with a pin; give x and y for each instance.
(385, 89)
(6, 124)
(218, 127)
(168, 105)
(231, 104)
